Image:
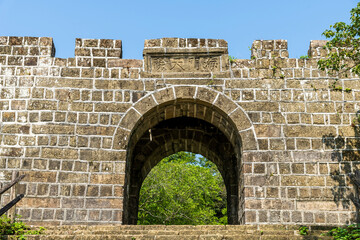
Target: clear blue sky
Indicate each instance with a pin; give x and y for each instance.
(238, 22)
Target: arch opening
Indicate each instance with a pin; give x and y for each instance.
(183, 189)
(190, 126)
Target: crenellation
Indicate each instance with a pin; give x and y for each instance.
(96, 52)
(269, 49)
(317, 50)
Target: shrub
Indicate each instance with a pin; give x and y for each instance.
(16, 228)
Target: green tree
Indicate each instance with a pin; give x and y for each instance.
(183, 189)
(344, 45)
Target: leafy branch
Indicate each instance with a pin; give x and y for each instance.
(343, 48)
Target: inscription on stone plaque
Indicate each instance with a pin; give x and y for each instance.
(185, 64)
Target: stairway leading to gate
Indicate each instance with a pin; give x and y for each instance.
(179, 232)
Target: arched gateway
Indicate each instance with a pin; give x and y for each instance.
(179, 118)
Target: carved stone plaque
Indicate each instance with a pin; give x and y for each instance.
(185, 64)
(178, 55)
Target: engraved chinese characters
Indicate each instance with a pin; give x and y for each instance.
(185, 64)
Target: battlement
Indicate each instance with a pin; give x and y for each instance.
(25, 51)
(269, 49)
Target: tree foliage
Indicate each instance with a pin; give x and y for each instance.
(183, 189)
(344, 45)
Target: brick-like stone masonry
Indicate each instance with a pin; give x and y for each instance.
(87, 130)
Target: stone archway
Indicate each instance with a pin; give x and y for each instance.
(184, 118)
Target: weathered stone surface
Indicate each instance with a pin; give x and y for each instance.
(101, 155)
(66, 177)
(264, 130)
(53, 129)
(39, 202)
(240, 119)
(130, 119)
(59, 153)
(111, 107)
(248, 140)
(225, 104)
(125, 63)
(184, 92)
(147, 103)
(121, 84)
(121, 139)
(95, 130)
(107, 178)
(164, 95)
(308, 131)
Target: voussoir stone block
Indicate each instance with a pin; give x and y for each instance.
(206, 95)
(185, 92)
(130, 119)
(240, 119)
(225, 104)
(145, 104)
(248, 140)
(164, 95)
(121, 139)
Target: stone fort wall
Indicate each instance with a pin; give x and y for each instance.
(87, 130)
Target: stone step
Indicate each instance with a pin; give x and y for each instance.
(174, 237)
(200, 232)
(177, 227)
(184, 227)
(179, 232)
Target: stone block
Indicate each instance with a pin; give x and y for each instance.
(107, 178)
(119, 84)
(53, 129)
(95, 130)
(30, 202)
(16, 40)
(103, 203)
(260, 106)
(70, 72)
(101, 155)
(68, 177)
(59, 153)
(264, 130)
(42, 105)
(308, 131)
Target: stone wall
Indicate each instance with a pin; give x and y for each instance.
(87, 130)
